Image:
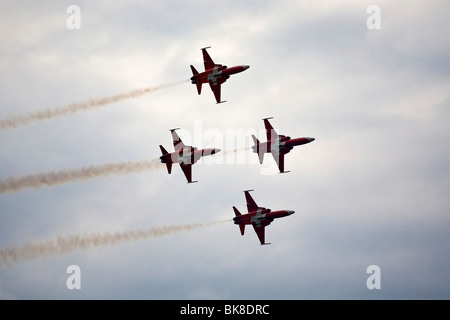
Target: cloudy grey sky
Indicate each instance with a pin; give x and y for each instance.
(371, 190)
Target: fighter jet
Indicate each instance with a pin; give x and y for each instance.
(214, 74)
(276, 144)
(258, 217)
(186, 156)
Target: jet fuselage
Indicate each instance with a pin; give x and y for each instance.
(216, 73)
(188, 155)
(261, 215)
(282, 144)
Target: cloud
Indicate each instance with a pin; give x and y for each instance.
(372, 188)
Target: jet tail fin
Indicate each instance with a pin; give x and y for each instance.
(163, 150)
(194, 71)
(257, 150)
(236, 212)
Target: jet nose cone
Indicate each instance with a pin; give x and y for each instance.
(216, 150)
(311, 139)
(245, 67)
(290, 212)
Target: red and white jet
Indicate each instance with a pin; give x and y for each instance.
(214, 74)
(186, 156)
(277, 145)
(258, 217)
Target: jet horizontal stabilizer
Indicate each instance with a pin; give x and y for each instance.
(221, 102)
(264, 244)
(171, 130)
(205, 48)
(249, 190)
(285, 172)
(192, 181)
(242, 228)
(268, 118)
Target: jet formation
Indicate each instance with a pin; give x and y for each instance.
(277, 145)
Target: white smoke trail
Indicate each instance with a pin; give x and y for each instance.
(52, 178)
(21, 120)
(36, 181)
(65, 244)
(225, 152)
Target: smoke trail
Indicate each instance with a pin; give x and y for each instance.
(52, 178)
(231, 156)
(62, 245)
(36, 181)
(16, 121)
(226, 152)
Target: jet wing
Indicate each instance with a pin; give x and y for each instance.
(279, 159)
(270, 131)
(215, 87)
(209, 63)
(260, 231)
(187, 170)
(251, 204)
(177, 143)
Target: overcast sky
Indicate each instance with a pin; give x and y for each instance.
(372, 189)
